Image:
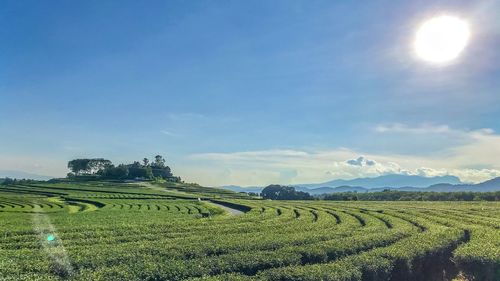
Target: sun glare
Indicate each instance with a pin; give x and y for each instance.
(441, 39)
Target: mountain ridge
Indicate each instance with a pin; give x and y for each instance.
(486, 186)
(22, 175)
(391, 180)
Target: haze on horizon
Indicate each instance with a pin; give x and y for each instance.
(249, 93)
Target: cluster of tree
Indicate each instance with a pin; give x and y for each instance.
(88, 166)
(9, 181)
(254, 194)
(279, 192)
(99, 167)
(391, 195)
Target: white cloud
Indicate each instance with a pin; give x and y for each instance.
(361, 161)
(288, 166)
(473, 159)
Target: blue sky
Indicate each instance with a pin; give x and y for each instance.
(247, 92)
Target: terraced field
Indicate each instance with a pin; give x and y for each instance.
(104, 231)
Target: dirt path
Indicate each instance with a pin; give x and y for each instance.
(231, 211)
(163, 189)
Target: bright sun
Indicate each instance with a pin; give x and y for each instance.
(441, 39)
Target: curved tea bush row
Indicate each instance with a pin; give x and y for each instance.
(144, 234)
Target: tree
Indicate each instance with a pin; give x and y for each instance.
(279, 192)
(98, 164)
(414, 196)
(8, 181)
(159, 169)
(164, 172)
(159, 162)
(139, 171)
(88, 166)
(120, 172)
(148, 172)
(77, 166)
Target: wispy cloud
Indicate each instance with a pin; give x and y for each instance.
(198, 117)
(245, 156)
(422, 129)
(41, 165)
(169, 133)
(186, 116)
(428, 129)
(472, 160)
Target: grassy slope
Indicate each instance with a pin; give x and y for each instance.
(115, 231)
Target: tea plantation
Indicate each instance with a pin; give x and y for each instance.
(119, 231)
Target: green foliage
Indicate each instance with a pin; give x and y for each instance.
(88, 166)
(480, 258)
(120, 172)
(8, 181)
(391, 195)
(93, 169)
(279, 192)
(119, 231)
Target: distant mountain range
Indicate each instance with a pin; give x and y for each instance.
(391, 182)
(22, 175)
(237, 188)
